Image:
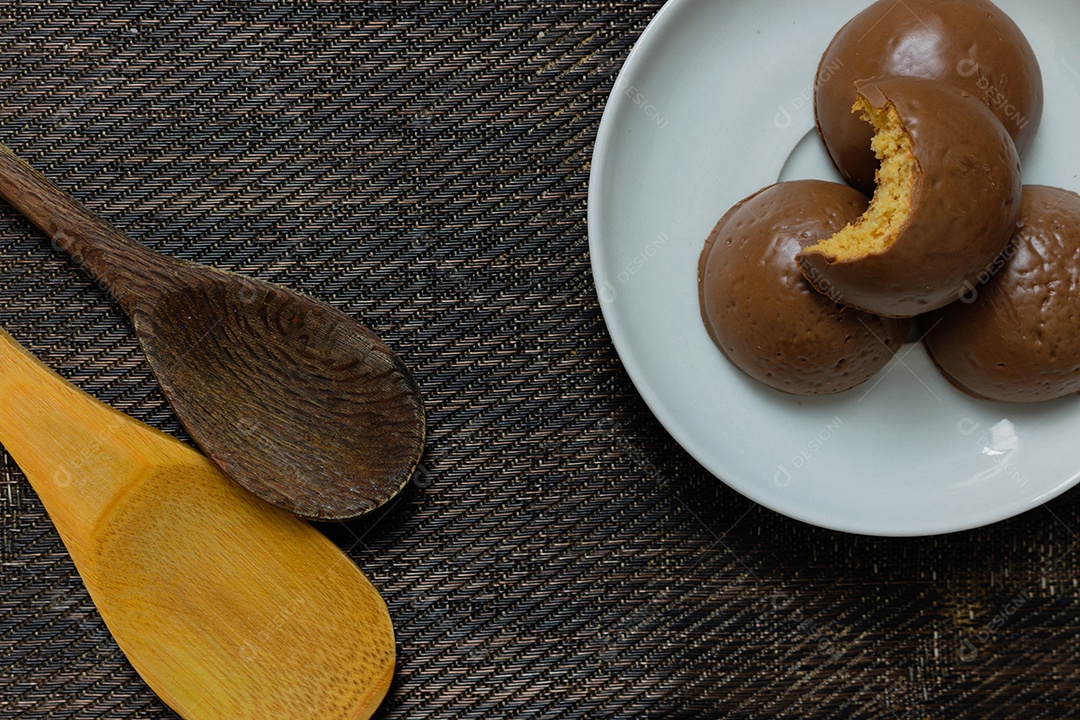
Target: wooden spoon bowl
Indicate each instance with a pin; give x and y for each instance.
(291, 398)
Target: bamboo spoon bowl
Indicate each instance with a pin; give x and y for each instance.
(228, 607)
(292, 398)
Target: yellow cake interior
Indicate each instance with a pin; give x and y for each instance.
(877, 228)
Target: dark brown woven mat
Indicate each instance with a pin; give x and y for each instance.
(423, 165)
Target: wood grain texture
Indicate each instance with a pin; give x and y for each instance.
(227, 606)
(293, 399)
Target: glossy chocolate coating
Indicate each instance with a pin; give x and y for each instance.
(963, 208)
(765, 317)
(1016, 337)
(969, 43)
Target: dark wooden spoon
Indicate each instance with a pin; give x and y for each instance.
(291, 398)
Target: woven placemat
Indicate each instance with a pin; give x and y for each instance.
(423, 166)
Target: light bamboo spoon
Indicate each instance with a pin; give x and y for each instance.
(292, 398)
(229, 608)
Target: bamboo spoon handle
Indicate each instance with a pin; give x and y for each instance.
(73, 449)
(112, 258)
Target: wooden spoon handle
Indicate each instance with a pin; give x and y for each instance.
(124, 266)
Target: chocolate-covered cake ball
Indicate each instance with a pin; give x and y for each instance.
(969, 43)
(761, 312)
(944, 209)
(1016, 337)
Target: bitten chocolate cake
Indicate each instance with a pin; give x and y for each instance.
(945, 206)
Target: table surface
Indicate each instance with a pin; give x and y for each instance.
(424, 167)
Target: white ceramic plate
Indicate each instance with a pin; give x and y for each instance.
(714, 103)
